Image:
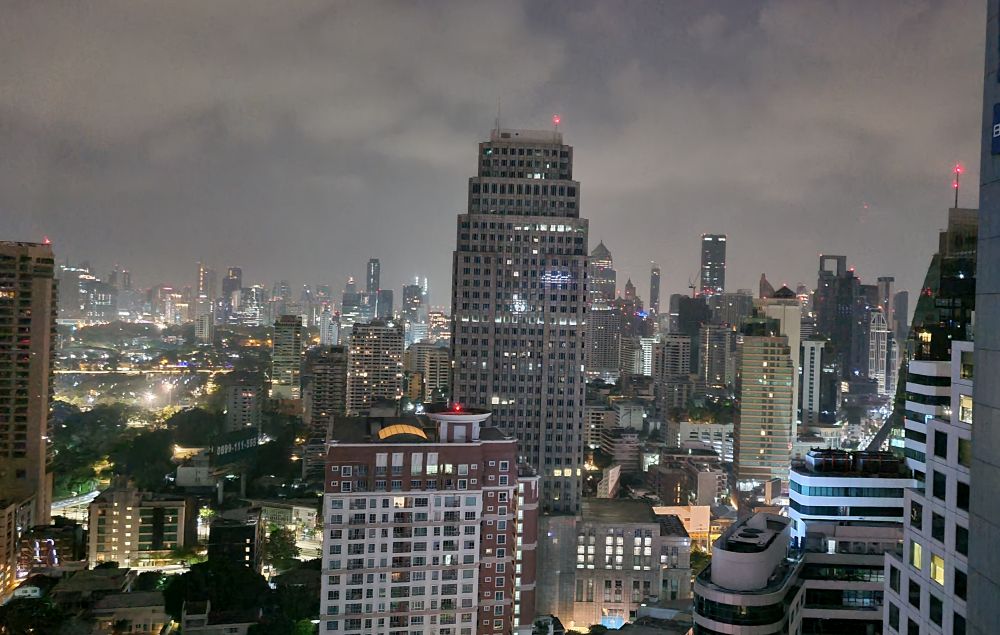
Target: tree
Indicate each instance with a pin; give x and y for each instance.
(30, 615)
(280, 550)
(145, 458)
(228, 586)
(110, 564)
(149, 581)
(699, 560)
(195, 426)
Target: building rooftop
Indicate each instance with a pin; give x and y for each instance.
(671, 525)
(754, 534)
(858, 464)
(90, 580)
(613, 510)
(129, 600)
(408, 428)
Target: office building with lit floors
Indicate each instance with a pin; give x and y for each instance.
(430, 526)
(519, 300)
(929, 582)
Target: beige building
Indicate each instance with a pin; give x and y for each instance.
(135, 528)
(286, 357)
(375, 365)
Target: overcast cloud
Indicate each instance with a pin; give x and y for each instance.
(298, 139)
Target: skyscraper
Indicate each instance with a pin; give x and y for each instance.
(375, 365)
(713, 263)
(838, 294)
(654, 287)
(603, 277)
(763, 434)
(373, 278)
(878, 350)
(329, 327)
(27, 337)
(205, 284)
(324, 384)
(518, 302)
(286, 357)
(984, 513)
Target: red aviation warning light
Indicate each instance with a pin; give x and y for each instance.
(957, 171)
(556, 120)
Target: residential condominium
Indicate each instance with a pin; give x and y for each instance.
(430, 526)
(135, 528)
(286, 358)
(374, 365)
(519, 299)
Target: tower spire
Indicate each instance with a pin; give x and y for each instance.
(957, 171)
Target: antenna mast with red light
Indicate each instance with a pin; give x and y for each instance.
(954, 184)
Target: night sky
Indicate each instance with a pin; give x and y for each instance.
(298, 139)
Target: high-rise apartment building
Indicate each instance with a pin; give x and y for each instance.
(324, 383)
(27, 340)
(430, 525)
(928, 584)
(519, 297)
(784, 307)
(244, 400)
(433, 364)
(731, 308)
(984, 513)
(604, 333)
(375, 365)
(767, 404)
(286, 358)
(713, 264)
(654, 287)
(602, 276)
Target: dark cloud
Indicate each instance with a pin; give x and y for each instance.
(299, 139)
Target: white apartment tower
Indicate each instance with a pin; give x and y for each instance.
(374, 365)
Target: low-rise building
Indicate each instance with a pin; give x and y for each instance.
(48, 546)
(238, 541)
(601, 566)
(623, 447)
(136, 612)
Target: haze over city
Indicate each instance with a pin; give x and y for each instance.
(297, 141)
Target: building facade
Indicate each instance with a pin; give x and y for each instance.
(429, 527)
(519, 297)
(286, 358)
(713, 264)
(375, 365)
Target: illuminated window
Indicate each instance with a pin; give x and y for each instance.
(937, 569)
(916, 555)
(965, 409)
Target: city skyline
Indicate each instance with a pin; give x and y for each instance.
(293, 183)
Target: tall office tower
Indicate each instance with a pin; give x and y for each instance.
(233, 281)
(718, 356)
(654, 287)
(324, 384)
(375, 365)
(878, 350)
(784, 307)
(27, 338)
(836, 302)
(602, 275)
(232, 284)
(286, 358)
(329, 327)
(383, 304)
(764, 288)
(929, 588)
(389, 483)
(763, 435)
(352, 309)
(604, 332)
(373, 277)
(414, 307)
(886, 294)
(523, 237)
(691, 314)
(205, 284)
(900, 316)
(713, 263)
(73, 294)
(984, 515)
(731, 308)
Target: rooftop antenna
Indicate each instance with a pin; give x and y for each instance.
(556, 119)
(957, 171)
(498, 116)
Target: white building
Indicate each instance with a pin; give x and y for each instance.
(719, 436)
(878, 350)
(928, 396)
(927, 586)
